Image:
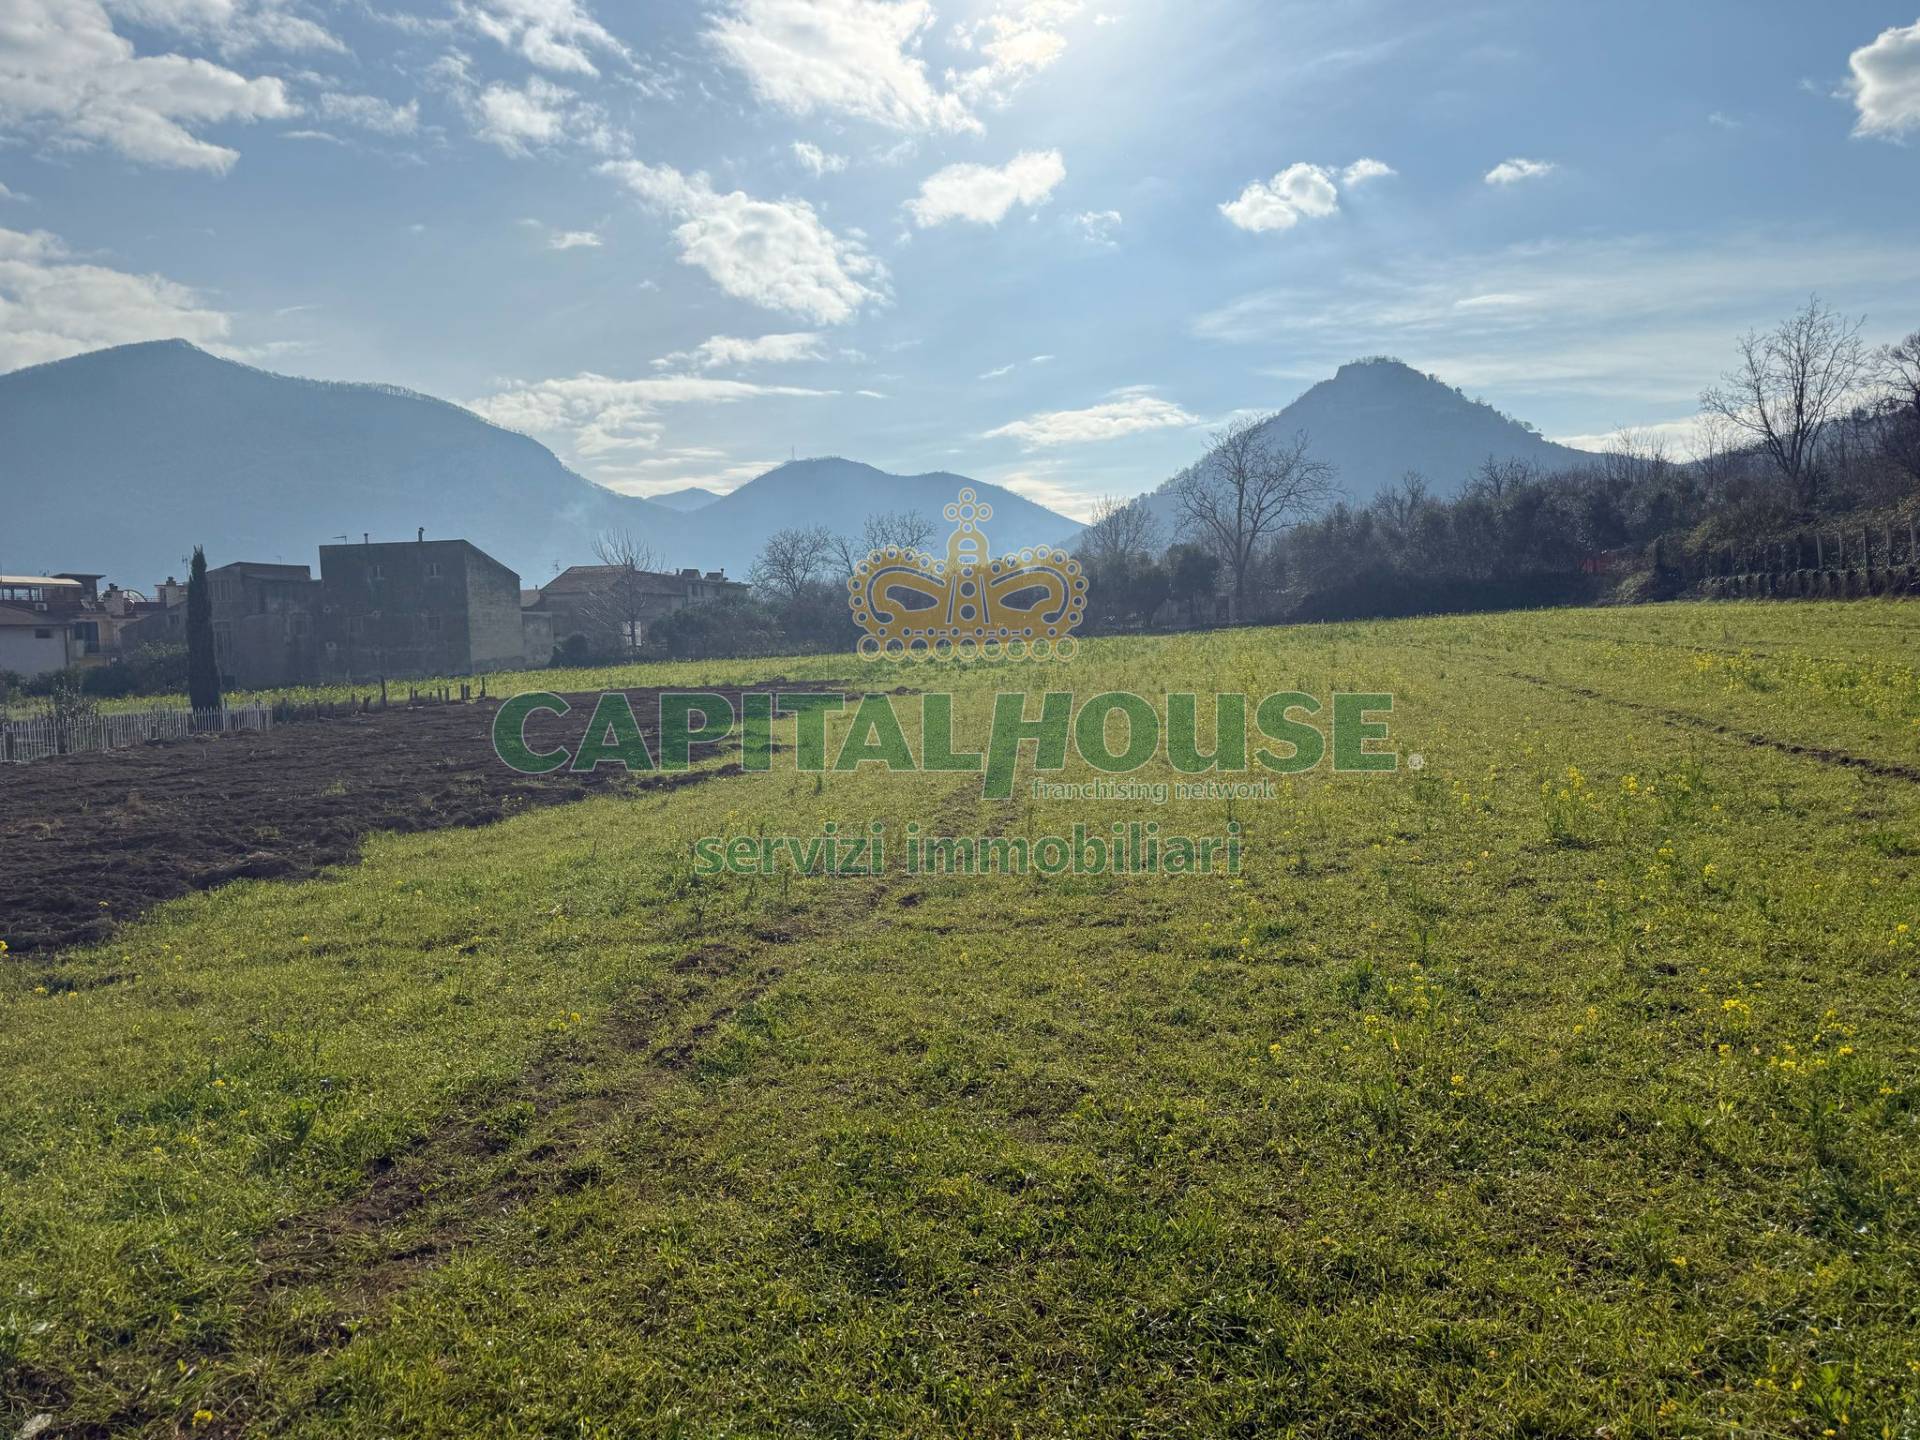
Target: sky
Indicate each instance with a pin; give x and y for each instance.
(1046, 243)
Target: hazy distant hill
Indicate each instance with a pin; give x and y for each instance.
(692, 497)
(840, 494)
(121, 460)
(1377, 419)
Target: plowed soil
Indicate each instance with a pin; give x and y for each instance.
(87, 842)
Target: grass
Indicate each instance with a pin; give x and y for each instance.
(683, 674)
(1566, 1086)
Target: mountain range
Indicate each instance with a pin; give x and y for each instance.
(120, 461)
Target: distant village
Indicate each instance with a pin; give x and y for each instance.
(378, 610)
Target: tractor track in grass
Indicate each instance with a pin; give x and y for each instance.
(1682, 720)
(323, 1276)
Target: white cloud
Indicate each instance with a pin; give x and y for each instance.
(844, 57)
(1512, 172)
(66, 74)
(773, 253)
(370, 112)
(6, 194)
(233, 27)
(538, 115)
(983, 194)
(1016, 42)
(556, 35)
(1682, 438)
(820, 162)
(574, 240)
(731, 351)
(1098, 226)
(600, 416)
(1885, 83)
(1127, 413)
(1365, 169)
(55, 306)
(1037, 483)
(1300, 191)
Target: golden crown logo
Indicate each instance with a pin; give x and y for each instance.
(916, 607)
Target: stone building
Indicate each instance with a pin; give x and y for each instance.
(265, 623)
(414, 608)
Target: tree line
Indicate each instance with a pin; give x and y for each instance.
(1809, 424)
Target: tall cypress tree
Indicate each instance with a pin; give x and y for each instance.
(203, 670)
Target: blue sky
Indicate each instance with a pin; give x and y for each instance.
(1048, 243)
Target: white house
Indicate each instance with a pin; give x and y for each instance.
(32, 644)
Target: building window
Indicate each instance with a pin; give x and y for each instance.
(433, 624)
(376, 572)
(40, 634)
(433, 570)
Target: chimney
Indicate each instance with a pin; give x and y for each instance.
(420, 535)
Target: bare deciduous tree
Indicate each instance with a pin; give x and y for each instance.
(792, 560)
(1120, 532)
(907, 529)
(620, 604)
(1247, 490)
(1399, 505)
(1790, 385)
(1900, 402)
(1496, 479)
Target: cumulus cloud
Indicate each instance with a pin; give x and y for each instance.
(574, 240)
(538, 115)
(820, 162)
(1365, 169)
(65, 74)
(1126, 412)
(1512, 172)
(773, 253)
(369, 112)
(1015, 43)
(57, 306)
(983, 194)
(556, 35)
(1299, 192)
(861, 58)
(732, 351)
(1885, 83)
(599, 416)
(846, 57)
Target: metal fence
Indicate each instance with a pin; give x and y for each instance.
(46, 735)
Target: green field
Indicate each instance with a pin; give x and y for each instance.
(1568, 1085)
